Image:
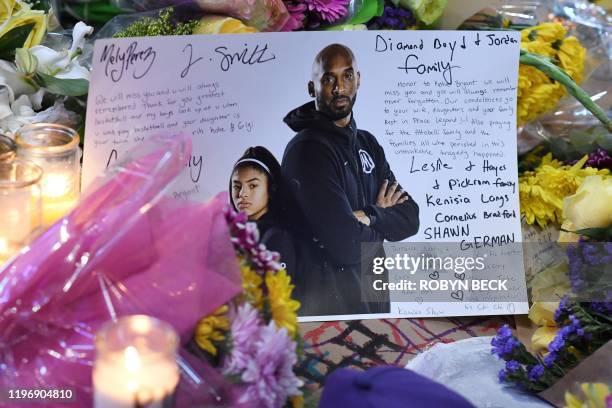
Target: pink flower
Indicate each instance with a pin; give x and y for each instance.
(245, 330)
(270, 372)
(297, 15)
(328, 10)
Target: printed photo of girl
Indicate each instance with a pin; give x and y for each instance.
(255, 190)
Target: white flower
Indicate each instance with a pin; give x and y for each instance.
(17, 82)
(22, 111)
(63, 64)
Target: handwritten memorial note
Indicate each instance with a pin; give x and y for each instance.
(441, 104)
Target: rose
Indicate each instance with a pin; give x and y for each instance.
(590, 206)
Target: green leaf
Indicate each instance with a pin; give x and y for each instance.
(369, 10)
(14, 39)
(68, 87)
(599, 234)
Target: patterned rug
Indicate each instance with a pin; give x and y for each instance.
(366, 343)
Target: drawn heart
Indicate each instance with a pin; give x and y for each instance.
(460, 275)
(419, 300)
(434, 275)
(458, 294)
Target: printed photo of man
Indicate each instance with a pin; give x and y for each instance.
(339, 192)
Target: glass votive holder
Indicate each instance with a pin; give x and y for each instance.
(7, 148)
(20, 201)
(55, 148)
(135, 363)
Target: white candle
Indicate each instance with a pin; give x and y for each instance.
(141, 374)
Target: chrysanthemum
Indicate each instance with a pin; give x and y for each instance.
(328, 10)
(270, 372)
(282, 307)
(542, 191)
(246, 326)
(537, 93)
(251, 285)
(212, 329)
(297, 15)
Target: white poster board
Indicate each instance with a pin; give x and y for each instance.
(442, 104)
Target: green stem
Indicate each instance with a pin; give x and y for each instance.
(557, 74)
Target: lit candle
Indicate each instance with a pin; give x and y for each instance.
(135, 364)
(20, 204)
(55, 148)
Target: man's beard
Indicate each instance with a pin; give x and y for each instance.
(332, 113)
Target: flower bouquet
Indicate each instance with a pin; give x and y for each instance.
(38, 80)
(129, 248)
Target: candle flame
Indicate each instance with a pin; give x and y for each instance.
(56, 185)
(132, 359)
(4, 247)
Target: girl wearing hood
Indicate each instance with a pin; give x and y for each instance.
(254, 190)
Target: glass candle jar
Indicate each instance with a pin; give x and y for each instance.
(20, 201)
(55, 148)
(7, 148)
(135, 364)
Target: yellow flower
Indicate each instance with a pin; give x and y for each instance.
(282, 307)
(595, 395)
(551, 283)
(6, 9)
(571, 55)
(26, 16)
(548, 32)
(542, 191)
(211, 329)
(537, 93)
(542, 337)
(542, 313)
(591, 205)
(222, 25)
(251, 285)
(297, 401)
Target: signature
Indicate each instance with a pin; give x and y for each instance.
(246, 56)
(119, 61)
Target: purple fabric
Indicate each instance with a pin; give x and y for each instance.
(389, 387)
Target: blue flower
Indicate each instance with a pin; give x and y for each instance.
(562, 310)
(550, 359)
(504, 343)
(512, 366)
(536, 372)
(501, 375)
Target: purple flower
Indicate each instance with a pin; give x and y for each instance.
(269, 372)
(599, 159)
(512, 366)
(328, 10)
(504, 343)
(245, 237)
(550, 358)
(536, 372)
(297, 15)
(601, 307)
(501, 375)
(562, 310)
(393, 18)
(245, 329)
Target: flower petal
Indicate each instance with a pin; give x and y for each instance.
(79, 32)
(50, 61)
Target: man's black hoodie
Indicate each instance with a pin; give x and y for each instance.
(329, 172)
